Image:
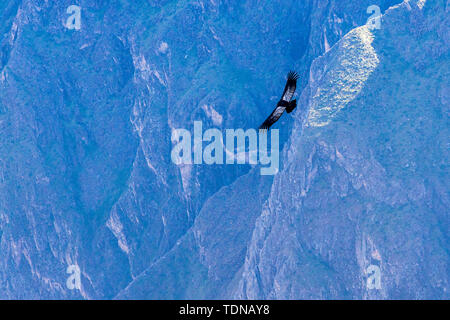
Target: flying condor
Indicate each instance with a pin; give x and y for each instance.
(285, 103)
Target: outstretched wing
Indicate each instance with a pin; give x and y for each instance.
(274, 116)
(290, 87)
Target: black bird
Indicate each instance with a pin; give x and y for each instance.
(285, 103)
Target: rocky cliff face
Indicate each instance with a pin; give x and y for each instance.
(86, 176)
(365, 181)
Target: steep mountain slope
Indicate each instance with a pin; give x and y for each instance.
(366, 179)
(194, 253)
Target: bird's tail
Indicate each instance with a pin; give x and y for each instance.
(291, 106)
